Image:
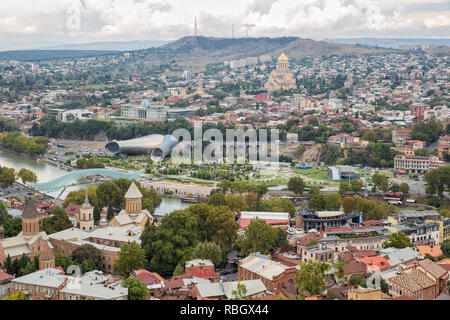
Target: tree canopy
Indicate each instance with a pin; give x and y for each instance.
(131, 257)
(310, 278)
(398, 240)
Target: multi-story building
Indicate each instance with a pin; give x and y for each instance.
(423, 234)
(360, 238)
(417, 216)
(5, 284)
(316, 253)
(52, 284)
(41, 285)
(273, 274)
(173, 114)
(446, 230)
(425, 280)
(415, 164)
(444, 148)
(147, 112)
(401, 136)
(321, 220)
(342, 173)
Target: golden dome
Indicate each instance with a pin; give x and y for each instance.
(283, 57)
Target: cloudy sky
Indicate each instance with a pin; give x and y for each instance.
(70, 21)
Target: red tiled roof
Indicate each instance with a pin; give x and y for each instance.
(377, 261)
(434, 251)
(148, 277)
(4, 276)
(355, 267)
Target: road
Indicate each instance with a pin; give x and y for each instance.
(415, 187)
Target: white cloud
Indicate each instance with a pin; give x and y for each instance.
(169, 19)
(437, 22)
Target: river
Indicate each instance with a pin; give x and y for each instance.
(47, 172)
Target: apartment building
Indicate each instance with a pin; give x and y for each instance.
(401, 136)
(415, 164)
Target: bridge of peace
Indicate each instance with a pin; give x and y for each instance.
(70, 179)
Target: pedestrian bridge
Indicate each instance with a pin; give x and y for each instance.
(71, 178)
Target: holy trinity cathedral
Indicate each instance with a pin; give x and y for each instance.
(281, 79)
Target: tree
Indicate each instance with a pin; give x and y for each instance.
(358, 282)
(398, 240)
(310, 278)
(210, 251)
(278, 205)
(63, 260)
(356, 186)
(437, 180)
(172, 242)
(332, 202)
(19, 295)
(217, 199)
(380, 181)
(108, 193)
(27, 175)
(370, 210)
(30, 267)
(340, 273)
(296, 185)
(215, 224)
(131, 257)
(259, 237)
(395, 187)
(344, 187)
(428, 132)
(240, 292)
(12, 226)
(137, 290)
(7, 177)
(58, 221)
(89, 253)
(316, 201)
(384, 286)
(8, 265)
(251, 201)
(445, 247)
(261, 190)
(348, 203)
(179, 270)
(422, 152)
(236, 203)
(404, 188)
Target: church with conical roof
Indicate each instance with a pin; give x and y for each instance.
(281, 79)
(86, 215)
(133, 215)
(30, 241)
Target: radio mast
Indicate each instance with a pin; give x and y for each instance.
(196, 27)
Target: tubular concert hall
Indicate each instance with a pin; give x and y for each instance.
(156, 145)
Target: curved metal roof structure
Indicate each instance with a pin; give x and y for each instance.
(66, 180)
(156, 145)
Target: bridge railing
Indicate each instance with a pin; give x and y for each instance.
(65, 181)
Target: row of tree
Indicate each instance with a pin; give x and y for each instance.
(19, 143)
